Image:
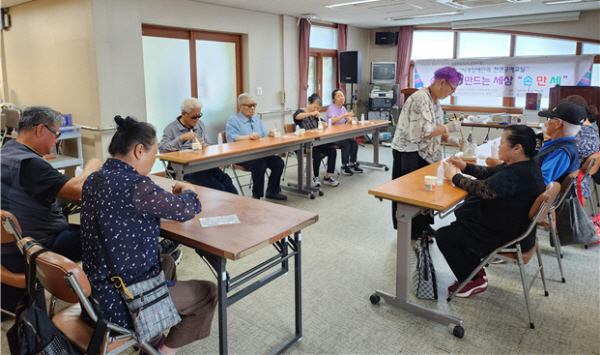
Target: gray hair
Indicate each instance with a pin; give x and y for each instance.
(190, 103)
(243, 97)
(569, 129)
(36, 115)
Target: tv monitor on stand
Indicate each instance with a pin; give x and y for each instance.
(383, 73)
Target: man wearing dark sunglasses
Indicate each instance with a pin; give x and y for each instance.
(181, 133)
(31, 187)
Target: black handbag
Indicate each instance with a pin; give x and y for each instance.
(33, 332)
(573, 225)
(148, 301)
(424, 280)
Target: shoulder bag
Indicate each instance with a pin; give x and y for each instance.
(424, 281)
(149, 303)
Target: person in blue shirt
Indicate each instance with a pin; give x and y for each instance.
(558, 156)
(246, 126)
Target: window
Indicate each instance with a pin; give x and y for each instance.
(432, 45)
(596, 75)
(322, 65)
(538, 46)
(483, 45)
(590, 48)
(323, 37)
(175, 69)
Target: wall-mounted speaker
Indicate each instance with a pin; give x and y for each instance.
(386, 38)
(350, 67)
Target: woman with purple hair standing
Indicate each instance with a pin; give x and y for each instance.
(419, 134)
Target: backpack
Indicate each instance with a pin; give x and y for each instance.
(33, 332)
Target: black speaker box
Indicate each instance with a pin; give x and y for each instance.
(386, 38)
(350, 67)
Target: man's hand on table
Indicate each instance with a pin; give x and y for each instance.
(180, 187)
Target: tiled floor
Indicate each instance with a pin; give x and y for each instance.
(351, 252)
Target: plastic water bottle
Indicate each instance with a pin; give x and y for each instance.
(329, 123)
(494, 150)
(362, 118)
(474, 148)
(297, 132)
(220, 140)
(440, 175)
(78, 170)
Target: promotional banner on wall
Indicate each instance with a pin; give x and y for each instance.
(510, 77)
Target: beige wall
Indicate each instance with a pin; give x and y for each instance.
(49, 57)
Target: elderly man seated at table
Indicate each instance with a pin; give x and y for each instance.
(30, 187)
(180, 134)
(246, 126)
(558, 156)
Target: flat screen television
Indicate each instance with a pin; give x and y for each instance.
(383, 73)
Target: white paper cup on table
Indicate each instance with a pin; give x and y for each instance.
(196, 146)
(430, 182)
(302, 131)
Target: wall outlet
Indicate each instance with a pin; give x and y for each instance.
(258, 91)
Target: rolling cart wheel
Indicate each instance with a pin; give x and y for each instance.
(321, 193)
(386, 168)
(458, 332)
(374, 299)
(312, 196)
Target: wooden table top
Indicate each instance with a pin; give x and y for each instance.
(344, 128)
(261, 223)
(265, 142)
(485, 125)
(410, 189)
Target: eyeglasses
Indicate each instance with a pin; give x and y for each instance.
(451, 88)
(250, 105)
(57, 134)
(194, 117)
(553, 118)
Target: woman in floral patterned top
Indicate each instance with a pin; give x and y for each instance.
(587, 139)
(419, 133)
(128, 206)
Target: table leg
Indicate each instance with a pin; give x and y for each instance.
(222, 304)
(178, 171)
(404, 215)
(303, 186)
(375, 163)
(297, 298)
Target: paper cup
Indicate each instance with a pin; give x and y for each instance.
(302, 131)
(196, 146)
(430, 182)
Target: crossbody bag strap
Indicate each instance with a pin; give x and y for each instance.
(114, 276)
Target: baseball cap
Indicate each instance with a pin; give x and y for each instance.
(568, 112)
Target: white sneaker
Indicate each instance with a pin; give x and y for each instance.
(316, 182)
(330, 181)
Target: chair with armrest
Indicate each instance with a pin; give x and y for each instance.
(12, 117)
(13, 284)
(65, 280)
(565, 191)
(512, 252)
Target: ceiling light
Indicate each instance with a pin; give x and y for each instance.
(560, 2)
(439, 14)
(359, 3)
(516, 20)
